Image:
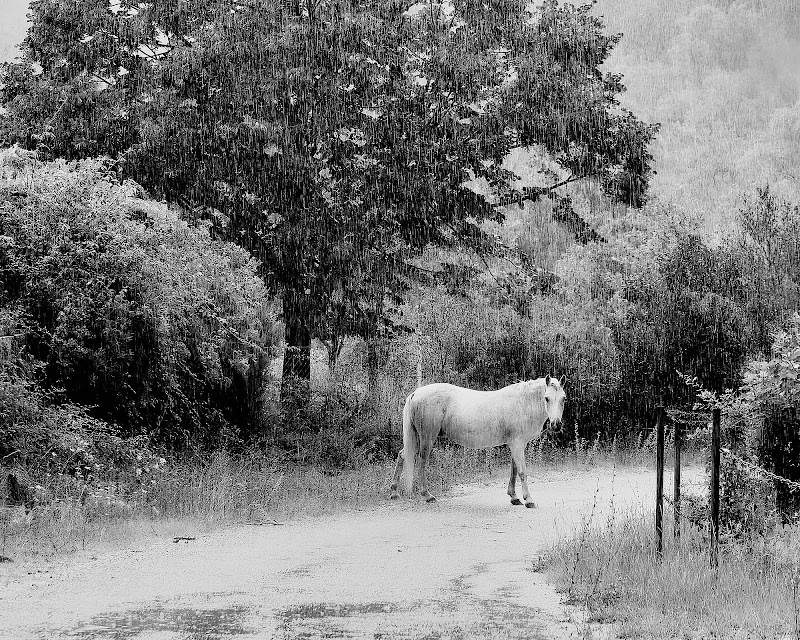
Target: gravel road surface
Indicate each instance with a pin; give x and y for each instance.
(464, 567)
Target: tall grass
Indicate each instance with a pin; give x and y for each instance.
(253, 488)
(610, 568)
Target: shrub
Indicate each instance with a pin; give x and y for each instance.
(772, 390)
(58, 452)
(760, 430)
(679, 318)
(134, 312)
(767, 253)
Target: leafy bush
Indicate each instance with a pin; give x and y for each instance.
(760, 431)
(679, 318)
(746, 501)
(772, 389)
(767, 254)
(58, 452)
(133, 311)
(341, 427)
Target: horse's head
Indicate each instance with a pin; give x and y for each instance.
(554, 397)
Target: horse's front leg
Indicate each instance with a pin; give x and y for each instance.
(398, 469)
(518, 455)
(512, 483)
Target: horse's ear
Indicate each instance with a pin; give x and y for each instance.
(562, 380)
(547, 380)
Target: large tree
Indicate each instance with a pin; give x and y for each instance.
(334, 144)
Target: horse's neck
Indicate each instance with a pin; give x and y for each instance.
(530, 402)
(529, 410)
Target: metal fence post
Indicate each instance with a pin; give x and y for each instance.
(676, 494)
(659, 480)
(715, 459)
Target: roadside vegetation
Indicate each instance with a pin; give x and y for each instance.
(610, 566)
(182, 497)
(693, 67)
(162, 497)
(610, 570)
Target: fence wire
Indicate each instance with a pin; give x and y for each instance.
(688, 417)
(704, 418)
(792, 486)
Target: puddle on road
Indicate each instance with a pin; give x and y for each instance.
(207, 623)
(334, 620)
(459, 617)
(322, 610)
(499, 601)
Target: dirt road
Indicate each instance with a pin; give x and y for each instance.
(461, 568)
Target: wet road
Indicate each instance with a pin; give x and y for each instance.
(464, 567)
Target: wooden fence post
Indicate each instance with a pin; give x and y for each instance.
(659, 480)
(676, 493)
(715, 453)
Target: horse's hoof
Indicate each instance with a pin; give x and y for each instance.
(516, 501)
(430, 499)
(530, 505)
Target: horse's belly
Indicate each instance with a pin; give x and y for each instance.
(474, 438)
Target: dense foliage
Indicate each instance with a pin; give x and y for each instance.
(130, 310)
(682, 318)
(333, 146)
(771, 388)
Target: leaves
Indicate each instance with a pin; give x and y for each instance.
(134, 311)
(774, 382)
(343, 140)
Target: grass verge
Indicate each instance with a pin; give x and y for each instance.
(222, 490)
(610, 568)
(172, 498)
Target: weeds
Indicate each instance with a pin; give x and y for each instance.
(225, 489)
(251, 487)
(614, 572)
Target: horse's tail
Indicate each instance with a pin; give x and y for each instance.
(410, 446)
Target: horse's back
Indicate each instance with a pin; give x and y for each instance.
(447, 398)
(443, 393)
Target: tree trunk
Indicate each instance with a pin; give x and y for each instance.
(296, 379)
(372, 364)
(291, 7)
(334, 348)
(374, 342)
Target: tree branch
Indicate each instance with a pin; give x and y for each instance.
(581, 230)
(485, 264)
(533, 193)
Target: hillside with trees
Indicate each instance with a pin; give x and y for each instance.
(721, 76)
(12, 27)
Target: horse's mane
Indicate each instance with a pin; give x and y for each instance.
(538, 390)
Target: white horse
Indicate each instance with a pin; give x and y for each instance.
(513, 415)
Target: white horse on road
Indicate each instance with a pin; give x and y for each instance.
(513, 415)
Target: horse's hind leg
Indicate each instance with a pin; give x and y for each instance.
(398, 469)
(424, 454)
(512, 484)
(518, 455)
